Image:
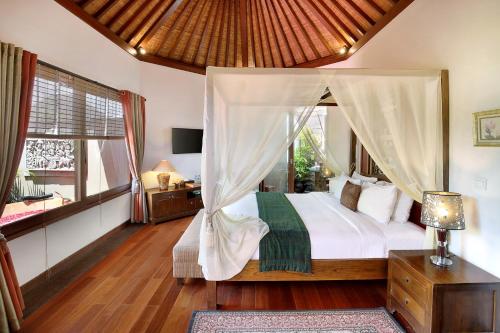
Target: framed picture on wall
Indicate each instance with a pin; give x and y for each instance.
(487, 128)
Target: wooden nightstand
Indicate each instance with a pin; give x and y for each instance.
(173, 203)
(460, 298)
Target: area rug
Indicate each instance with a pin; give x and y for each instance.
(337, 321)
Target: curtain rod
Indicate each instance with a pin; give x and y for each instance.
(76, 75)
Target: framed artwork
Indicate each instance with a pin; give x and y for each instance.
(487, 128)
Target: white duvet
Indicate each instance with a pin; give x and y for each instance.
(339, 233)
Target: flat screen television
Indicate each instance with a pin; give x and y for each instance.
(186, 140)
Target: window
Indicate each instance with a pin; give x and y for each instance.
(302, 168)
(310, 169)
(75, 153)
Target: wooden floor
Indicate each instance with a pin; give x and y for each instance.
(132, 290)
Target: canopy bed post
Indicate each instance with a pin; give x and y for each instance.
(212, 295)
(445, 110)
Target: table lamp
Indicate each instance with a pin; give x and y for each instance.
(164, 167)
(443, 211)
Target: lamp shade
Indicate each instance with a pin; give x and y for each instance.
(443, 210)
(164, 166)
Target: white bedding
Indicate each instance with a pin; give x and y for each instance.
(339, 233)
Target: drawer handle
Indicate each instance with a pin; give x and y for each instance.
(407, 280)
(406, 301)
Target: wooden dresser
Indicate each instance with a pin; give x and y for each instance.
(460, 298)
(173, 203)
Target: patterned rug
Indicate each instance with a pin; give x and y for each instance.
(339, 321)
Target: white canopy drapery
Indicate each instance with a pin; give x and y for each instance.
(247, 115)
(324, 148)
(247, 129)
(397, 117)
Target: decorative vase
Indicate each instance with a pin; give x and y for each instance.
(163, 180)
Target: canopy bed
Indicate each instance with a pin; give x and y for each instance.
(252, 116)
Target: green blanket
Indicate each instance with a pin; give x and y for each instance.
(287, 246)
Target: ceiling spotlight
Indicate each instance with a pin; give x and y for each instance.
(343, 50)
(142, 50)
(132, 51)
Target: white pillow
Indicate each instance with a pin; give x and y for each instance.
(372, 180)
(340, 183)
(402, 207)
(378, 201)
(331, 184)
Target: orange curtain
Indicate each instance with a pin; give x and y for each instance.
(18, 69)
(134, 113)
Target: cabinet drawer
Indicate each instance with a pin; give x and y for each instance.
(406, 301)
(169, 195)
(194, 204)
(410, 282)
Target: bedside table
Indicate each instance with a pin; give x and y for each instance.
(460, 298)
(173, 203)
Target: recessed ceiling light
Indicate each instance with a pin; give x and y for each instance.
(142, 50)
(132, 51)
(343, 50)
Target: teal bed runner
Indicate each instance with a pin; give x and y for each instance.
(287, 246)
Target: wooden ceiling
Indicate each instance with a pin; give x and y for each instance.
(193, 34)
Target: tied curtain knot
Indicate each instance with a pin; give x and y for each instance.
(209, 230)
(136, 184)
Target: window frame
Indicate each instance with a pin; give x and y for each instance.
(83, 202)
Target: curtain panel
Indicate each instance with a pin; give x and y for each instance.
(247, 130)
(17, 75)
(134, 112)
(396, 115)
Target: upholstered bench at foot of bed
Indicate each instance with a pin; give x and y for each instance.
(185, 253)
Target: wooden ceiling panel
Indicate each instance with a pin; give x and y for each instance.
(193, 34)
(193, 42)
(284, 46)
(310, 50)
(90, 6)
(201, 52)
(183, 27)
(138, 20)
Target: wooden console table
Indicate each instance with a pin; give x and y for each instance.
(173, 203)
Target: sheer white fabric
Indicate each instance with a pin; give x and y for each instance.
(325, 147)
(395, 114)
(247, 130)
(397, 117)
(338, 140)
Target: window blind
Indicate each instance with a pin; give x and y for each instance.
(68, 106)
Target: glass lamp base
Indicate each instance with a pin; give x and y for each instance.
(441, 261)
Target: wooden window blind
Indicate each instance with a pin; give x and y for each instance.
(65, 105)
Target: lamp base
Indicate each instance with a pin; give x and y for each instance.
(441, 258)
(441, 261)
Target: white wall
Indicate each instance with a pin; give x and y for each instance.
(462, 36)
(174, 98)
(61, 39)
(41, 249)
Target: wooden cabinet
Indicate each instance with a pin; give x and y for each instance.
(173, 203)
(460, 298)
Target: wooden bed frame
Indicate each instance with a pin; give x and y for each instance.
(322, 269)
(345, 269)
